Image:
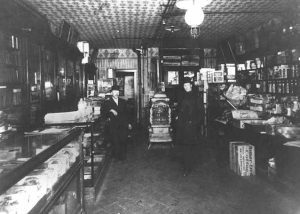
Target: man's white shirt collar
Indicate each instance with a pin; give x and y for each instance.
(116, 100)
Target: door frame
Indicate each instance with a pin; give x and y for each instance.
(136, 97)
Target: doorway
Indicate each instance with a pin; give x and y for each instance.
(127, 82)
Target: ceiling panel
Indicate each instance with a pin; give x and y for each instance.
(131, 23)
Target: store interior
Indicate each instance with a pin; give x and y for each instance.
(59, 61)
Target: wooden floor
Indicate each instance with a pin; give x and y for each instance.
(152, 182)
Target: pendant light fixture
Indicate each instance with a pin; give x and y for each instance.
(194, 15)
(195, 32)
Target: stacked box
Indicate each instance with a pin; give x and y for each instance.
(232, 154)
(242, 158)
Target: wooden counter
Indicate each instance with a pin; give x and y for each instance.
(267, 146)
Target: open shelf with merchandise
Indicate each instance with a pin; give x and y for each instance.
(277, 74)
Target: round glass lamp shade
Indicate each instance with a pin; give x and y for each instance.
(194, 16)
(186, 4)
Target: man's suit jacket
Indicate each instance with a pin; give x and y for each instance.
(117, 124)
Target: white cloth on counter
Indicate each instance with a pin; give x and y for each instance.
(62, 117)
(83, 114)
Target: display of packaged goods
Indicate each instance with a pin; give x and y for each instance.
(99, 158)
(7, 155)
(87, 173)
(256, 108)
(280, 71)
(60, 162)
(242, 158)
(42, 177)
(172, 57)
(235, 93)
(88, 159)
(72, 153)
(259, 100)
(3, 128)
(74, 145)
(97, 110)
(232, 153)
(40, 174)
(52, 175)
(57, 165)
(190, 60)
(172, 63)
(217, 76)
(276, 120)
(7, 166)
(241, 67)
(244, 114)
(15, 200)
(22, 198)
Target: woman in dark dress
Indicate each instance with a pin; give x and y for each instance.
(190, 114)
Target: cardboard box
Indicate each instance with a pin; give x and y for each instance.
(242, 158)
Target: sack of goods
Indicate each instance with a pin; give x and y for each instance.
(236, 95)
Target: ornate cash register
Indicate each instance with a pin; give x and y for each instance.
(160, 130)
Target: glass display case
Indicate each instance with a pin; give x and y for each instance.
(96, 155)
(42, 172)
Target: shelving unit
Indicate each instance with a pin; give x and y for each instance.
(12, 78)
(279, 75)
(182, 62)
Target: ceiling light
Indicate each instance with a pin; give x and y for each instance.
(194, 16)
(172, 28)
(186, 4)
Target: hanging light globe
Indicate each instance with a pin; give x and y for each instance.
(194, 16)
(186, 4)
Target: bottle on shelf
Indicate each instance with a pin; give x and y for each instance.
(17, 97)
(289, 109)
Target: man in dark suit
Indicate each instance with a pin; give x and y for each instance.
(115, 111)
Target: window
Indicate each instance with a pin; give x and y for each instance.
(173, 77)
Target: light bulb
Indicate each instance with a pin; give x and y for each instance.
(194, 16)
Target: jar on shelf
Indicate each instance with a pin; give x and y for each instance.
(17, 96)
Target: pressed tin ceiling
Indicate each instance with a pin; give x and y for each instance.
(132, 23)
